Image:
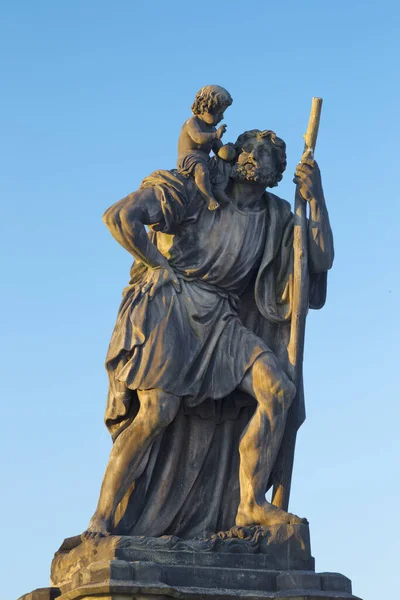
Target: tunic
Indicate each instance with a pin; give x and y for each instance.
(193, 343)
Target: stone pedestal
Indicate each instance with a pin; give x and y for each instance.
(254, 563)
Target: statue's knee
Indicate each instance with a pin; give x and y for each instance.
(280, 386)
(284, 390)
(168, 410)
(158, 409)
(289, 391)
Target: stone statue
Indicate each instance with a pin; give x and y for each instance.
(205, 380)
(200, 387)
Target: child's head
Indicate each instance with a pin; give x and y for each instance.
(212, 100)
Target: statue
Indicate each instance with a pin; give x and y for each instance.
(205, 379)
(199, 375)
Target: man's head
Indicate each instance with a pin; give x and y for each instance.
(211, 102)
(261, 158)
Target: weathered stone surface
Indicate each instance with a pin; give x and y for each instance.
(144, 580)
(48, 593)
(127, 580)
(238, 563)
(302, 580)
(335, 582)
(283, 547)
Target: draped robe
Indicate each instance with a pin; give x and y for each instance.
(235, 267)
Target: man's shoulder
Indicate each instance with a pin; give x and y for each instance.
(171, 187)
(171, 180)
(282, 205)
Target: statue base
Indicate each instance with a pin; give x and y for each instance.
(251, 562)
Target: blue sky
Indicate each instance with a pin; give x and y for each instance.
(93, 97)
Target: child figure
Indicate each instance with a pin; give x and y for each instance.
(199, 136)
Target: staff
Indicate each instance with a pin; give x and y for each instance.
(300, 299)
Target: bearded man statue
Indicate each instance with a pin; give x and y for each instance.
(199, 382)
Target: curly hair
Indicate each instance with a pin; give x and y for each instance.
(210, 98)
(277, 144)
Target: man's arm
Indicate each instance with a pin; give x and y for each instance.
(320, 238)
(126, 221)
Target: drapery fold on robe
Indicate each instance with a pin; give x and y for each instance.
(190, 485)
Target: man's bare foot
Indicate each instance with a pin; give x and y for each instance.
(98, 527)
(265, 514)
(212, 204)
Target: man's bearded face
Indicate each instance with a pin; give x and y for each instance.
(256, 164)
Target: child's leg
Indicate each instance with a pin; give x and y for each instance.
(202, 180)
(221, 197)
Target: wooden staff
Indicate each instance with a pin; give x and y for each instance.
(300, 301)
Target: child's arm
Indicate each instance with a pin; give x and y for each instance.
(197, 135)
(216, 147)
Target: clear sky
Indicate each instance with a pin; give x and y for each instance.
(93, 95)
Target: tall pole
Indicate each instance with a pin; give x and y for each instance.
(300, 300)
